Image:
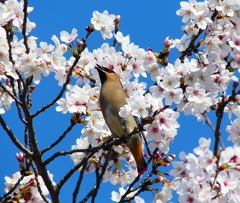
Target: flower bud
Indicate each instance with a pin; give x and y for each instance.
(79, 43)
(20, 157)
(117, 19)
(235, 84)
(169, 159)
(149, 49)
(168, 42)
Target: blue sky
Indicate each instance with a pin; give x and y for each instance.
(148, 23)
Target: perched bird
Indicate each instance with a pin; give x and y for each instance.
(112, 98)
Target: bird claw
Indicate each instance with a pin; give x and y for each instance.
(105, 147)
(123, 139)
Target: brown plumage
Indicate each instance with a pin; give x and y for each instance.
(112, 98)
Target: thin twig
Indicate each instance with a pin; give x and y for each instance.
(105, 144)
(87, 196)
(24, 29)
(26, 138)
(12, 189)
(68, 78)
(137, 178)
(9, 36)
(73, 170)
(18, 103)
(129, 189)
(99, 178)
(219, 113)
(15, 98)
(60, 94)
(20, 82)
(38, 184)
(142, 134)
(194, 38)
(78, 184)
(144, 183)
(59, 139)
(208, 121)
(10, 94)
(14, 138)
(64, 153)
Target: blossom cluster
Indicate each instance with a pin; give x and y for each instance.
(205, 178)
(28, 190)
(188, 85)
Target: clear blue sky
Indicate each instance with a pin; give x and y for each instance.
(147, 23)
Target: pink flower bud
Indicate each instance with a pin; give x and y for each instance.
(117, 19)
(149, 49)
(79, 43)
(168, 42)
(235, 84)
(169, 159)
(20, 157)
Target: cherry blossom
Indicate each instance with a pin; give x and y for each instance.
(28, 186)
(104, 22)
(117, 196)
(193, 84)
(196, 171)
(66, 37)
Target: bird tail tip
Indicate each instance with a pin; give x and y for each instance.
(140, 172)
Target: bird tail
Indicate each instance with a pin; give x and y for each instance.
(138, 156)
(143, 167)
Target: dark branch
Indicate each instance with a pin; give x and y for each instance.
(59, 139)
(74, 169)
(219, 113)
(100, 177)
(24, 29)
(14, 138)
(194, 38)
(64, 153)
(12, 189)
(18, 103)
(129, 190)
(68, 78)
(38, 184)
(14, 97)
(209, 123)
(77, 188)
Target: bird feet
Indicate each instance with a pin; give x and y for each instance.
(123, 139)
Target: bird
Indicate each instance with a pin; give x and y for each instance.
(112, 98)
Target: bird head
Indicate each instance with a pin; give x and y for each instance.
(106, 74)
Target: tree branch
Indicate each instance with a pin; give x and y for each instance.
(10, 94)
(24, 29)
(208, 121)
(138, 177)
(14, 97)
(73, 169)
(77, 57)
(64, 153)
(61, 92)
(78, 184)
(194, 38)
(38, 184)
(100, 177)
(14, 138)
(12, 189)
(59, 139)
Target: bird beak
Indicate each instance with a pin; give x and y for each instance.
(102, 73)
(100, 68)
